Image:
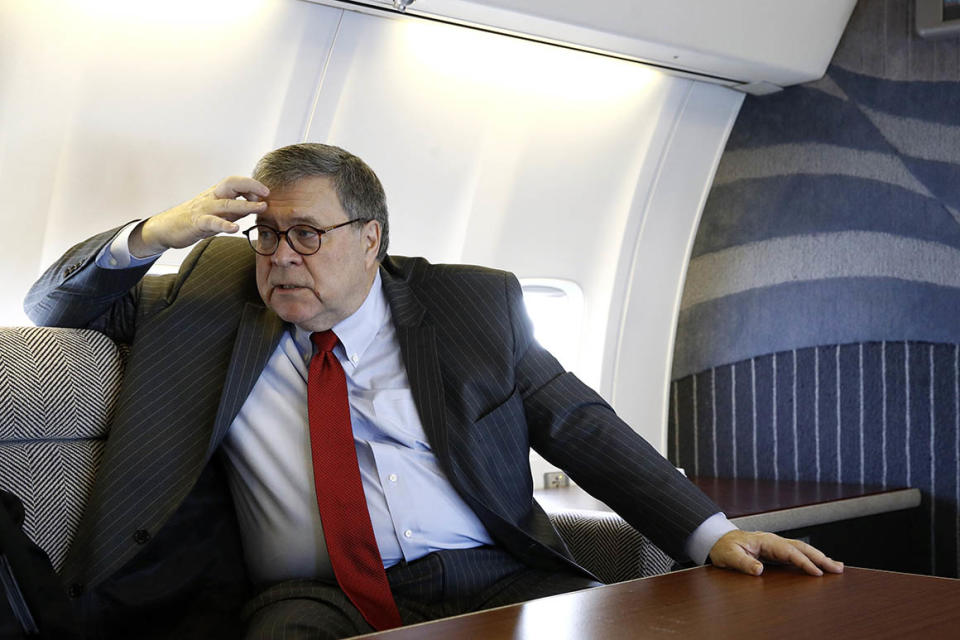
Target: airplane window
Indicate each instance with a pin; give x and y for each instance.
(556, 309)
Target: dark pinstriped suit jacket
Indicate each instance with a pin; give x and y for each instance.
(484, 389)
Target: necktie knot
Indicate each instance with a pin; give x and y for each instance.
(324, 340)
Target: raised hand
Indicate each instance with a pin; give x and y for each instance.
(213, 211)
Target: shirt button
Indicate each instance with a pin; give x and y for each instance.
(141, 536)
(113, 262)
(393, 477)
(354, 358)
(75, 590)
(408, 533)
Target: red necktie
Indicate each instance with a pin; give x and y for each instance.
(351, 544)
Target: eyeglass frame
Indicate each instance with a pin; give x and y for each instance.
(319, 230)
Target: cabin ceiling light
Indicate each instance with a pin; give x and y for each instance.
(401, 5)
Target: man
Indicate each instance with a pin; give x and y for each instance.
(447, 390)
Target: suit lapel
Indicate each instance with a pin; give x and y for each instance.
(417, 336)
(259, 332)
(418, 347)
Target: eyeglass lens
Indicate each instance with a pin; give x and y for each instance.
(305, 240)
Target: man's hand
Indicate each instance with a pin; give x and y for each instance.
(214, 211)
(740, 550)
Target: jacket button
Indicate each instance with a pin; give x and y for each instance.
(75, 590)
(141, 536)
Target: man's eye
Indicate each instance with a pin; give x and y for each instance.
(305, 234)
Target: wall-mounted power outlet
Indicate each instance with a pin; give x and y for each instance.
(555, 480)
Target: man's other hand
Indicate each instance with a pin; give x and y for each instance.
(214, 211)
(743, 550)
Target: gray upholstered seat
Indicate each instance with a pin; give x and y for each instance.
(57, 392)
(609, 547)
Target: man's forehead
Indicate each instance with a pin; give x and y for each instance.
(311, 200)
(291, 217)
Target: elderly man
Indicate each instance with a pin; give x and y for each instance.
(371, 415)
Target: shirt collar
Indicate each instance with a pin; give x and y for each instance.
(357, 331)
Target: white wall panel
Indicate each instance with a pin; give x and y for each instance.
(549, 162)
(115, 110)
(499, 151)
(642, 330)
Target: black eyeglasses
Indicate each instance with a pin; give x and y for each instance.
(302, 238)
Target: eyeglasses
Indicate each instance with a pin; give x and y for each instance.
(302, 238)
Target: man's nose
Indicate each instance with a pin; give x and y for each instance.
(285, 255)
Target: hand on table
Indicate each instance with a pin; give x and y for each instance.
(213, 211)
(743, 550)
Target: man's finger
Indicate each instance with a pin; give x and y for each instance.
(748, 564)
(782, 551)
(240, 186)
(215, 224)
(818, 557)
(730, 553)
(797, 553)
(233, 209)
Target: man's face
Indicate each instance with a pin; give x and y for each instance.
(315, 292)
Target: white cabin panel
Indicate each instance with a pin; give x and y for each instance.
(546, 161)
(114, 111)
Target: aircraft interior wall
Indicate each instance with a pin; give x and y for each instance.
(548, 162)
(818, 338)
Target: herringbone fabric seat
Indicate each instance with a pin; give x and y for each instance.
(609, 547)
(57, 393)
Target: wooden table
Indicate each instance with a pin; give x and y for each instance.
(707, 602)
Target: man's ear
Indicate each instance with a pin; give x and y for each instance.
(371, 241)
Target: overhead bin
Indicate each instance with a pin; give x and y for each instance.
(756, 46)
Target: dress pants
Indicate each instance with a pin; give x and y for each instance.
(441, 584)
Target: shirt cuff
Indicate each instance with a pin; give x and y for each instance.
(116, 255)
(706, 535)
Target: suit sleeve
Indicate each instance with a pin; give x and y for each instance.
(575, 429)
(75, 293)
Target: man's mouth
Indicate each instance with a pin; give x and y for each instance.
(288, 286)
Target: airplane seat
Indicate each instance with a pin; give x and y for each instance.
(57, 393)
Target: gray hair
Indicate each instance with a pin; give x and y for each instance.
(357, 186)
